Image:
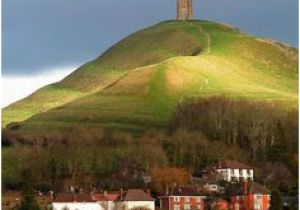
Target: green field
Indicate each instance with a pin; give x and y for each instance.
(136, 84)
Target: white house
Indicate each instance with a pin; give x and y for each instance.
(123, 200)
(136, 199)
(75, 202)
(230, 170)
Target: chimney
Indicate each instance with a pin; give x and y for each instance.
(167, 190)
(245, 187)
(148, 192)
(121, 194)
(74, 198)
(92, 194)
(51, 195)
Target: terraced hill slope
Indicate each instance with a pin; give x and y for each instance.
(136, 84)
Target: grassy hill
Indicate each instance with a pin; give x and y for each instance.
(136, 84)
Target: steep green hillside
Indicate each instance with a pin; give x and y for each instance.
(136, 84)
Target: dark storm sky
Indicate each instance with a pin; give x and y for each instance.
(42, 34)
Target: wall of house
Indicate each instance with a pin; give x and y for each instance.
(140, 204)
(107, 205)
(247, 202)
(164, 203)
(182, 202)
(76, 206)
(236, 174)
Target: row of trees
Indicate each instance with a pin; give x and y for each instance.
(267, 132)
(202, 132)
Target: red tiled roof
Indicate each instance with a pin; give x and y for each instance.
(184, 191)
(108, 197)
(252, 188)
(70, 198)
(232, 164)
(137, 195)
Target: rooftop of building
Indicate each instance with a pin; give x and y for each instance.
(137, 195)
(71, 197)
(252, 188)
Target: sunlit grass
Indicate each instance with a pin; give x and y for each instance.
(137, 83)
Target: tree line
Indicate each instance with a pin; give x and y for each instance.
(201, 133)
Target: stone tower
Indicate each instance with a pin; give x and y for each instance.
(184, 9)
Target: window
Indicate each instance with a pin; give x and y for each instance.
(258, 197)
(199, 207)
(235, 179)
(241, 172)
(236, 206)
(198, 199)
(257, 206)
(187, 199)
(268, 205)
(176, 207)
(258, 202)
(187, 207)
(176, 199)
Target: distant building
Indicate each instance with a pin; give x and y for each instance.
(184, 9)
(123, 200)
(75, 202)
(230, 171)
(182, 198)
(213, 187)
(251, 196)
(207, 185)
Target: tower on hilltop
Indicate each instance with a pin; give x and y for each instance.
(184, 9)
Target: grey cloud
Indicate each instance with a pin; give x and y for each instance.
(37, 34)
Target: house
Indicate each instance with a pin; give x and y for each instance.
(182, 198)
(123, 200)
(251, 196)
(75, 202)
(230, 171)
(219, 204)
(135, 199)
